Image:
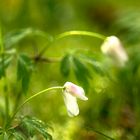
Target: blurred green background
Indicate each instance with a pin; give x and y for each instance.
(113, 108)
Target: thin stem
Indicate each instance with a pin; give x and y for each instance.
(85, 33)
(47, 59)
(103, 134)
(98, 132)
(72, 33)
(30, 98)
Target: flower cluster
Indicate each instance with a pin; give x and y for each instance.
(111, 47)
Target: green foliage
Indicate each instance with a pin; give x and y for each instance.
(5, 137)
(65, 65)
(128, 29)
(94, 63)
(114, 100)
(28, 127)
(79, 65)
(81, 72)
(18, 135)
(13, 38)
(24, 69)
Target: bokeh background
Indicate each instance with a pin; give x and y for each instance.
(113, 108)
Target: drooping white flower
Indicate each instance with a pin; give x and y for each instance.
(113, 48)
(70, 93)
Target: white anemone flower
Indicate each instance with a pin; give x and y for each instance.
(113, 48)
(70, 93)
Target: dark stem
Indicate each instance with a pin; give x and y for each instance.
(98, 132)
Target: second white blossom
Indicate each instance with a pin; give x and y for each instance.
(113, 47)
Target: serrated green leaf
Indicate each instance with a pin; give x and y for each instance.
(81, 72)
(81, 67)
(35, 124)
(83, 80)
(94, 63)
(19, 136)
(28, 129)
(65, 65)
(42, 130)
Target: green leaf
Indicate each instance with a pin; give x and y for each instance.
(28, 127)
(19, 136)
(14, 37)
(22, 131)
(25, 82)
(24, 69)
(81, 67)
(32, 124)
(5, 136)
(21, 68)
(81, 72)
(65, 65)
(96, 65)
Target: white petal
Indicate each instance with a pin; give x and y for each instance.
(71, 104)
(81, 94)
(75, 90)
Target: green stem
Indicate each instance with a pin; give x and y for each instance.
(98, 132)
(103, 134)
(85, 33)
(30, 98)
(72, 33)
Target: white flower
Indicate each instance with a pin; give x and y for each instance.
(70, 93)
(113, 47)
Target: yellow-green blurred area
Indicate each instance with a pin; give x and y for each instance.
(113, 107)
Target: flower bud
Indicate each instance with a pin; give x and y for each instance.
(113, 48)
